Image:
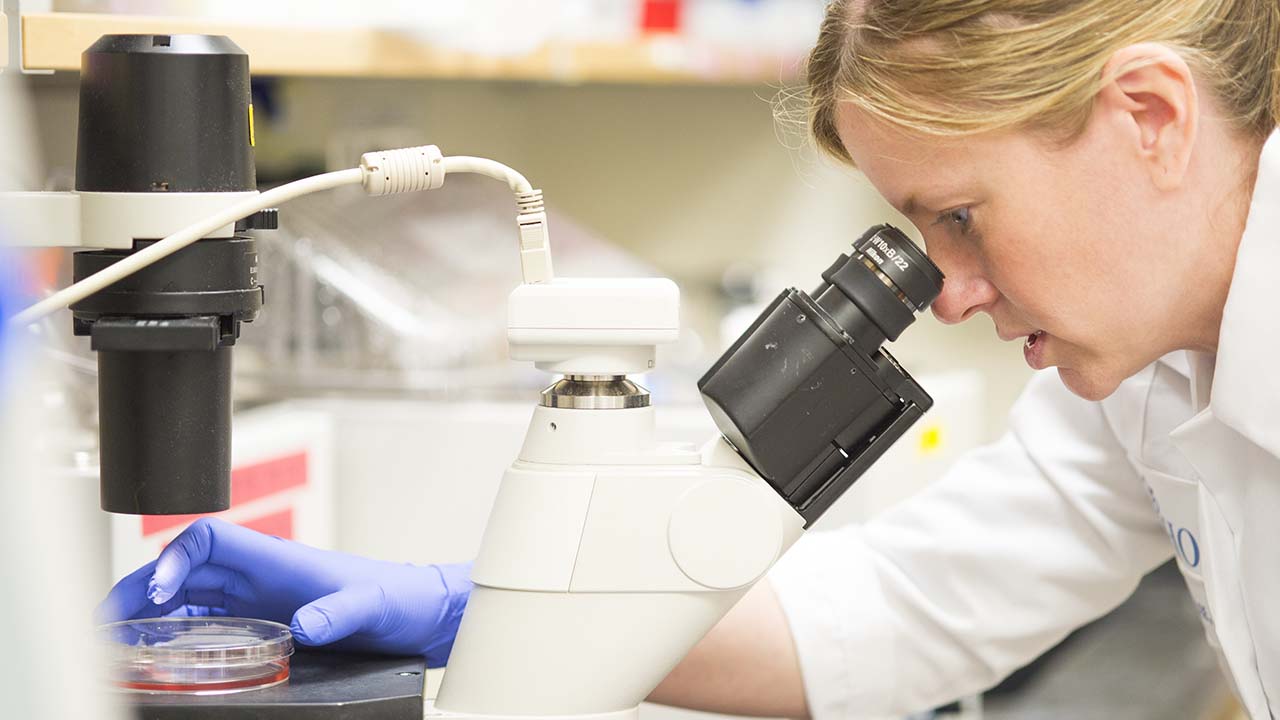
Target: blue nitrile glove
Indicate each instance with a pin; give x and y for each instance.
(216, 568)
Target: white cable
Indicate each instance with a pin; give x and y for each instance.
(184, 237)
(495, 170)
(424, 168)
(384, 172)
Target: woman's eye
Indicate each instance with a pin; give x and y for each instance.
(960, 219)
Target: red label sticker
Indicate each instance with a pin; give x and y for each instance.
(248, 483)
(660, 16)
(269, 477)
(279, 524)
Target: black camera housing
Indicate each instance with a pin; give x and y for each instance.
(806, 395)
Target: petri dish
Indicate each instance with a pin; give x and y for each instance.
(196, 655)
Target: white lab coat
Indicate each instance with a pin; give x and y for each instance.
(1053, 525)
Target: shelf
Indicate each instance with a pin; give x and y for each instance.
(54, 41)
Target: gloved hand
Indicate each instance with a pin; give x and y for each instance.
(217, 568)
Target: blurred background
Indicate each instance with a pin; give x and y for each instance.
(374, 399)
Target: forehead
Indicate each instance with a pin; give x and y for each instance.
(904, 164)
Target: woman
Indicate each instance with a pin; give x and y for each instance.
(1084, 172)
(1096, 175)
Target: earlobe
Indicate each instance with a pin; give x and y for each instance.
(1153, 88)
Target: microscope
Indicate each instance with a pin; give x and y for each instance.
(607, 554)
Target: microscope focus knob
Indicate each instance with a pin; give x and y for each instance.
(724, 533)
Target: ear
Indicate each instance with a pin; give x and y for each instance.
(1149, 88)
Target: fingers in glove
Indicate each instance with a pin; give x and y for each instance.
(197, 611)
(127, 597)
(206, 586)
(338, 615)
(215, 577)
(151, 610)
(206, 540)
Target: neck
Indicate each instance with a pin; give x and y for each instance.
(1221, 222)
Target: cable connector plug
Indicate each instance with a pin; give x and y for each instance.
(387, 172)
(424, 168)
(535, 248)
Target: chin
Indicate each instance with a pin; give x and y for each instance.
(1092, 387)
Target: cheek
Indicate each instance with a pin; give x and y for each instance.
(1056, 214)
(1045, 256)
(1090, 206)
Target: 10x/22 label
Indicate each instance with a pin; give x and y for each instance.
(889, 252)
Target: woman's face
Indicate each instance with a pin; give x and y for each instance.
(1073, 251)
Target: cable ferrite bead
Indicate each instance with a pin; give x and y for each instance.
(387, 172)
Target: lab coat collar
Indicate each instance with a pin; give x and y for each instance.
(1245, 378)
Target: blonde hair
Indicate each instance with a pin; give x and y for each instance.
(959, 67)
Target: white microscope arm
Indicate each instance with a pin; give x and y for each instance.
(607, 554)
(599, 570)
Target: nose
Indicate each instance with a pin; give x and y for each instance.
(965, 292)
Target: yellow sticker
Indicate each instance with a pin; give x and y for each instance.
(251, 138)
(930, 440)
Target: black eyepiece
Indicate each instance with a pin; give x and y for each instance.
(875, 294)
(898, 259)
